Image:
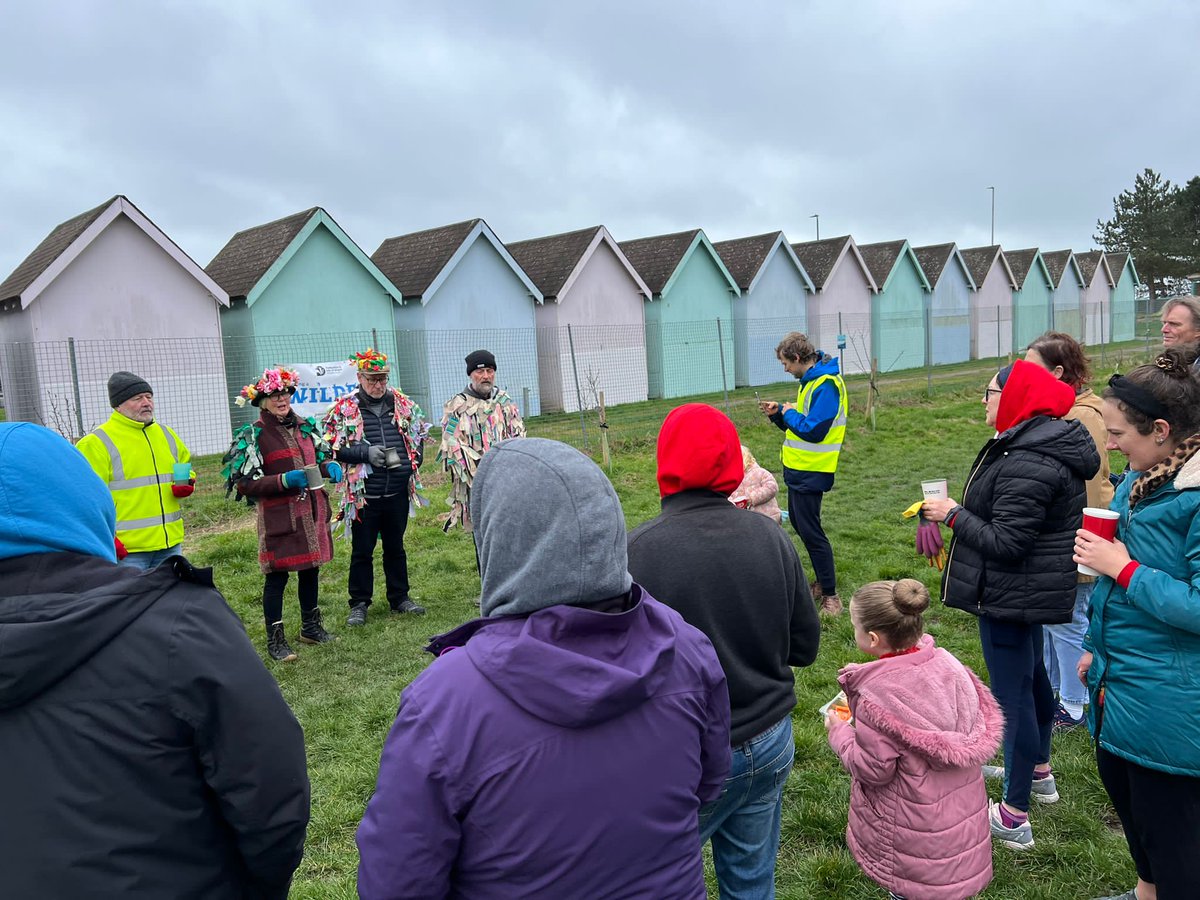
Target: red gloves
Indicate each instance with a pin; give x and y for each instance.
(184, 490)
(121, 551)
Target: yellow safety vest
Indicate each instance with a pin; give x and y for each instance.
(136, 462)
(805, 456)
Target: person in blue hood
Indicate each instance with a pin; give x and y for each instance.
(560, 746)
(814, 428)
(147, 752)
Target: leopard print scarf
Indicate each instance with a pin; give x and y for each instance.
(1160, 473)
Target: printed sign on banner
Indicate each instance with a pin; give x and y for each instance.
(321, 384)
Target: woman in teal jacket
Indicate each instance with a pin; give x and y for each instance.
(1143, 668)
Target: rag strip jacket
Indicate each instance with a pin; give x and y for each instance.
(470, 426)
(343, 425)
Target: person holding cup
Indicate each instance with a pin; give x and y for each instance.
(1142, 664)
(147, 468)
(379, 432)
(1064, 358)
(266, 466)
(1009, 563)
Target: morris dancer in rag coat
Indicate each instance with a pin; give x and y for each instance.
(265, 465)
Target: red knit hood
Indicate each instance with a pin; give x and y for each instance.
(698, 449)
(1032, 391)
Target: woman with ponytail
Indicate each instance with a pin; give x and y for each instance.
(1143, 664)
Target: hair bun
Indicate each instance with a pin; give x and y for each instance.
(910, 596)
(1175, 362)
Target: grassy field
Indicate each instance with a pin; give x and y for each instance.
(345, 694)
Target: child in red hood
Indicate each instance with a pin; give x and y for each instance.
(1010, 563)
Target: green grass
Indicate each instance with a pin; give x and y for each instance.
(345, 694)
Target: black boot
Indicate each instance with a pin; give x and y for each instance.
(277, 645)
(311, 629)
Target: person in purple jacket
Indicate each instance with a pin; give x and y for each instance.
(562, 745)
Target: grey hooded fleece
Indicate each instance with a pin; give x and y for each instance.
(548, 527)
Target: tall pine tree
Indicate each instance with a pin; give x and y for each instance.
(1148, 222)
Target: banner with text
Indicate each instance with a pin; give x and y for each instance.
(321, 384)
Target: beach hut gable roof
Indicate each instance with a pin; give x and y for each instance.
(419, 262)
(248, 264)
(883, 260)
(70, 238)
(1116, 265)
(979, 262)
(821, 259)
(554, 262)
(660, 258)
(1091, 262)
(1021, 262)
(747, 258)
(935, 257)
(1059, 263)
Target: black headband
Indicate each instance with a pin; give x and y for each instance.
(1137, 397)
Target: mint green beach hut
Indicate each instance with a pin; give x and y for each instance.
(1123, 305)
(300, 291)
(898, 310)
(1032, 297)
(689, 317)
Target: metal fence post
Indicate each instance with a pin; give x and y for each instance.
(374, 339)
(721, 348)
(929, 347)
(75, 384)
(578, 393)
(999, 332)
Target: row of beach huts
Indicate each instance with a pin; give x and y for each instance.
(665, 316)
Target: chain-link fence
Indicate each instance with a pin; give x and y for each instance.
(558, 376)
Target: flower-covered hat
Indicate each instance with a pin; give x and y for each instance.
(371, 362)
(273, 381)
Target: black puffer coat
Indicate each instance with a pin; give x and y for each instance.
(1010, 557)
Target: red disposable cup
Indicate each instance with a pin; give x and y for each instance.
(1102, 523)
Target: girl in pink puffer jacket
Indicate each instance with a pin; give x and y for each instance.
(923, 726)
(758, 489)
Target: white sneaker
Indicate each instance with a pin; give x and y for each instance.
(1019, 837)
(1043, 790)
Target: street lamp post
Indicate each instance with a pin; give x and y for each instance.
(817, 216)
(993, 190)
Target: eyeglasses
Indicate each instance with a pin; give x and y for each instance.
(987, 393)
(375, 379)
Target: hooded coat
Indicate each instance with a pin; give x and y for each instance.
(732, 573)
(1011, 554)
(1146, 637)
(147, 752)
(551, 749)
(924, 724)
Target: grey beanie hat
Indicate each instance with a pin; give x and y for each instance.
(123, 385)
(548, 527)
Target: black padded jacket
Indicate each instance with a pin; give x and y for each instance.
(1010, 557)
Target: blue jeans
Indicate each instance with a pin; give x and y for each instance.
(1064, 646)
(151, 559)
(744, 821)
(1013, 653)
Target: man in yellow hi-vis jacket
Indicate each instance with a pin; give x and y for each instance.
(815, 426)
(137, 457)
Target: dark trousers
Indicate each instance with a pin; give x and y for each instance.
(1160, 813)
(273, 585)
(1013, 653)
(386, 518)
(804, 511)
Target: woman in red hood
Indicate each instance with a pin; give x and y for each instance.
(1010, 563)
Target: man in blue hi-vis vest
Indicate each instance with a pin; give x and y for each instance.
(814, 427)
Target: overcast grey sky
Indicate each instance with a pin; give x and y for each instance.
(889, 119)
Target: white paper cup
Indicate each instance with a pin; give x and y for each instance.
(1098, 521)
(935, 490)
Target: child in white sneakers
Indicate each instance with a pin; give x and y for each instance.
(923, 724)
